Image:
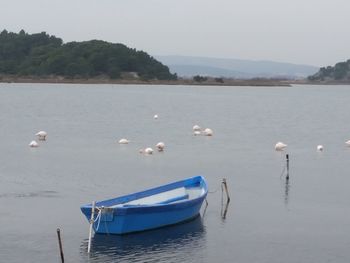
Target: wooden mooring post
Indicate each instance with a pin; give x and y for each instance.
(287, 165)
(91, 224)
(60, 244)
(225, 188)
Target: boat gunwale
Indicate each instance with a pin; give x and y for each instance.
(151, 207)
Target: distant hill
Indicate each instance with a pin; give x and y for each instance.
(234, 68)
(40, 54)
(340, 72)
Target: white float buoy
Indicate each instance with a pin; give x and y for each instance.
(155, 117)
(41, 135)
(196, 128)
(124, 141)
(347, 143)
(149, 150)
(33, 144)
(146, 151)
(195, 133)
(280, 146)
(208, 132)
(160, 146)
(320, 148)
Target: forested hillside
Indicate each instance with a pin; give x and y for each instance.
(40, 54)
(340, 72)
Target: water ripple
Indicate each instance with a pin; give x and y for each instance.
(45, 193)
(171, 244)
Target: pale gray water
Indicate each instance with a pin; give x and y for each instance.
(41, 189)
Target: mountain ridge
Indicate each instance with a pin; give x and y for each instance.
(187, 66)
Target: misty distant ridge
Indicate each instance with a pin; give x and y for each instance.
(186, 66)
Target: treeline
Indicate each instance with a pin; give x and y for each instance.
(40, 54)
(340, 72)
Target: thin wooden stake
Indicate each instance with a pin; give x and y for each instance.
(224, 183)
(287, 160)
(91, 224)
(60, 244)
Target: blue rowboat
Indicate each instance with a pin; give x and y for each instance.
(153, 208)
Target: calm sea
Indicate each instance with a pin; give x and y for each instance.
(268, 220)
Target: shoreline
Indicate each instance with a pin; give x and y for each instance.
(181, 82)
(327, 82)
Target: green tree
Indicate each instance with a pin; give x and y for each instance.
(42, 54)
(199, 78)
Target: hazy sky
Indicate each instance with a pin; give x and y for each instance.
(314, 32)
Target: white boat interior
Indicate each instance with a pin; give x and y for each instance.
(173, 196)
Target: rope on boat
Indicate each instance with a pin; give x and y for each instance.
(93, 220)
(217, 189)
(98, 218)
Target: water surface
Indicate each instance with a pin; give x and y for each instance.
(268, 220)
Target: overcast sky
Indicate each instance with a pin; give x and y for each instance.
(314, 32)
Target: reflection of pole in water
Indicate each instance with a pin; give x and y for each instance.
(286, 186)
(224, 208)
(286, 192)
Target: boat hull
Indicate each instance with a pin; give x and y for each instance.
(136, 222)
(123, 220)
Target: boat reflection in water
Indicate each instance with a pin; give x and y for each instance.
(179, 243)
